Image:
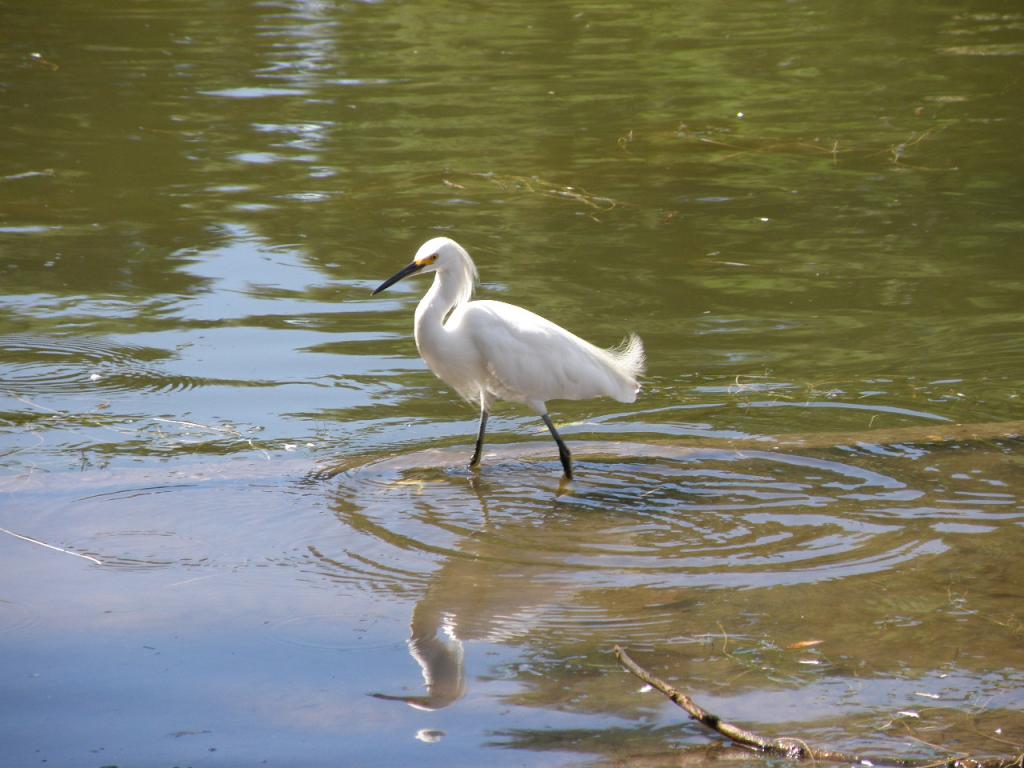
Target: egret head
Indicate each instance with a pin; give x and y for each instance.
(443, 255)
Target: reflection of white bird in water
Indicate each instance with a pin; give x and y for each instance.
(439, 652)
(490, 350)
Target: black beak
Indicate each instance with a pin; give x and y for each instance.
(405, 272)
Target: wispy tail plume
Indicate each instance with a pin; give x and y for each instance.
(630, 356)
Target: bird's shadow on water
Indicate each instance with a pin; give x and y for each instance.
(449, 613)
(509, 535)
(511, 552)
(478, 586)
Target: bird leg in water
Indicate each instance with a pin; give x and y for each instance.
(479, 438)
(563, 450)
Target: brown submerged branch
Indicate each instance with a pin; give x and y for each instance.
(795, 748)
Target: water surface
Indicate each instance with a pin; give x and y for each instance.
(811, 214)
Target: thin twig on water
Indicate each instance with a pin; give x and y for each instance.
(796, 748)
(30, 540)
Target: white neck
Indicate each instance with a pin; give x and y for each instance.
(432, 310)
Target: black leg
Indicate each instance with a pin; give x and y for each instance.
(479, 438)
(563, 451)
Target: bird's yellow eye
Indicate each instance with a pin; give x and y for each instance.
(428, 260)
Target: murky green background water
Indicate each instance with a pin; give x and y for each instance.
(813, 214)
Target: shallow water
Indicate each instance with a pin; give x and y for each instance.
(811, 215)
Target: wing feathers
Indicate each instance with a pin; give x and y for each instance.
(529, 359)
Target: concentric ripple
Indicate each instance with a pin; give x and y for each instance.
(638, 514)
(15, 616)
(145, 528)
(71, 364)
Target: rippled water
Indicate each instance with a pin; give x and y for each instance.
(810, 520)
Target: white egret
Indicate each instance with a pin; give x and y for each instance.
(490, 350)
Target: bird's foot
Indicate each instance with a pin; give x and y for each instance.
(565, 487)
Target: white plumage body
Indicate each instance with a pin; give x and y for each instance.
(491, 350)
